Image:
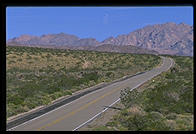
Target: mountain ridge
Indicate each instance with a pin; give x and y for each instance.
(160, 37)
(168, 38)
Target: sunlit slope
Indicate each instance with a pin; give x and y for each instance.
(37, 76)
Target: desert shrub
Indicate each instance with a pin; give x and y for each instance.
(13, 57)
(35, 58)
(11, 61)
(19, 59)
(41, 88)
(165, 104)
(135, 122)
(91, 76)
(171, 116)
(128, 98)
(15, 99)
(109, 74)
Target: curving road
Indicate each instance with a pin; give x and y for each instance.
(79, 112)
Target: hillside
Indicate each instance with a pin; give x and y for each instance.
(38, 76)
(168, 38)
(114, 48)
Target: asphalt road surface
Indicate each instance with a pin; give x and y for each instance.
(77, 113)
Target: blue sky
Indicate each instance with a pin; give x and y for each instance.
(86, 22)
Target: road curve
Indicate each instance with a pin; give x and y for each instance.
(77, 113)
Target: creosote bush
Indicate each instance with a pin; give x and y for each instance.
(164, 104)
(38, 76)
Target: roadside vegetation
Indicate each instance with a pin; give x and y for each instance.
(37, 76)
(163, 104)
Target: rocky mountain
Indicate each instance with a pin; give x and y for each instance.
(53, 39)
(168, 38)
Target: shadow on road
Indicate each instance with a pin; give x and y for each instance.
(113, 107)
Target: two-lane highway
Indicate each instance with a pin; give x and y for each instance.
(78, 112)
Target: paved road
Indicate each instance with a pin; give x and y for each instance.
(78, 112)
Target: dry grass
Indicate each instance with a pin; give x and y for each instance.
(56, 73)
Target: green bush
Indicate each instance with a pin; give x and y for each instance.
(33, 90)
(163, 101)
(128, 98)
(171, 116)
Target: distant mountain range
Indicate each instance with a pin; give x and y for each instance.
(168, 38)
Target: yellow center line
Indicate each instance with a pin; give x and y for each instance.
(77, 110)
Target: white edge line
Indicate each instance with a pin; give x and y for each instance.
(55, 109)
(70, 103)
(58, 108)
(116, 101)
(104, 109)
(95, 115)
(38, 116)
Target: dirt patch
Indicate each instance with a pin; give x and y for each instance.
(85, 65)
